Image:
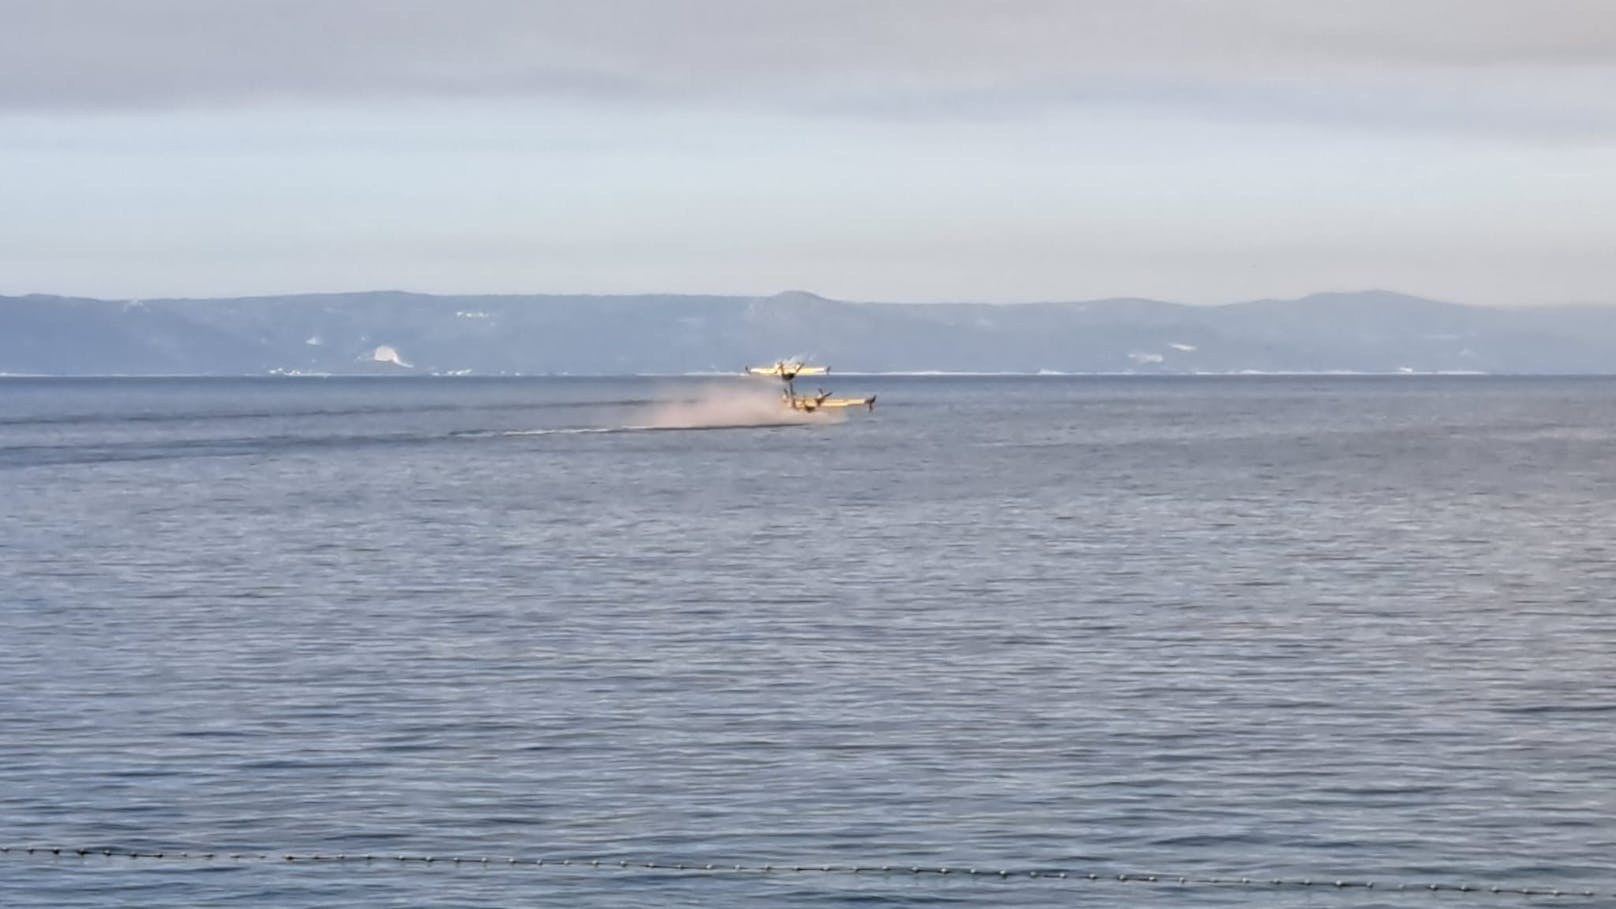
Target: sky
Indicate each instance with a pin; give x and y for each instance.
(906, 150)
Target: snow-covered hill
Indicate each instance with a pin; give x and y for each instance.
(395, 333)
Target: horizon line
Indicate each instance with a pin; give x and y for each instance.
(797, 292)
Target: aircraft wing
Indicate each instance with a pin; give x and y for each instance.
(785, 369)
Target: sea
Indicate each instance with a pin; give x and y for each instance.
(1029, 641)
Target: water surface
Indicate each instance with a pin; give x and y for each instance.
(1279, 627)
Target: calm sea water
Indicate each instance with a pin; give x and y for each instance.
(1304, 628)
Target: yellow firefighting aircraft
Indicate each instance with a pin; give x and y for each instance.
(788, 370)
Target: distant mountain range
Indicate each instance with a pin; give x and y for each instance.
(391, 332)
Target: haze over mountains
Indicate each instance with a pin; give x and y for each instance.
(391, 332)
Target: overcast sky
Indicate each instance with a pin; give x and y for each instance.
(997, 150)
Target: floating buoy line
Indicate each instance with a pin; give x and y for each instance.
(982, 872)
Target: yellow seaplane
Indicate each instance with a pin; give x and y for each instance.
(787, 371)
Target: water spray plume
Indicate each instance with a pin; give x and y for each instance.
(720, 406)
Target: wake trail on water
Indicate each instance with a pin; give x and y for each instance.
(717, 407)
(714, 407)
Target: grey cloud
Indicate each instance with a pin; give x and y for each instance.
(1497, 63)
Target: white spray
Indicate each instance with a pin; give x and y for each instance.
(718, 406)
